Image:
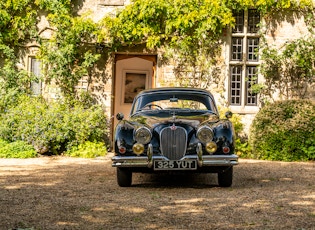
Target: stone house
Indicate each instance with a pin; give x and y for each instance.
(133, 70)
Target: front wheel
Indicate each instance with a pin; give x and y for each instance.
(225, 178)
(124, 177)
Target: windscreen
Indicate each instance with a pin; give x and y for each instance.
(179, 100)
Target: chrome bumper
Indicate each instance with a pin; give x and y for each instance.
(147, 161)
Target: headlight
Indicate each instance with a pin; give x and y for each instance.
(205, 134)
(143, 135)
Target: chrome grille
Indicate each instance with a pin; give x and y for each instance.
(173, 142)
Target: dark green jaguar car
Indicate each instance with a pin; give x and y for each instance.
(174, 129)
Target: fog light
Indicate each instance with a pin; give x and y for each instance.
(226, 149)
(211, 147)
(138, 148)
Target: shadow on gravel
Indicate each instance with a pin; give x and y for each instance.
(174, 180)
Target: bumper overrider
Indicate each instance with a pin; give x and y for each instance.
(202, 160)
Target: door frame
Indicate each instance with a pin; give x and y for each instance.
(121, 56)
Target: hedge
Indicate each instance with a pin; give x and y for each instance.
(52, 127)
(284, 130)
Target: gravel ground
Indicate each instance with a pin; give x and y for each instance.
(73, 193)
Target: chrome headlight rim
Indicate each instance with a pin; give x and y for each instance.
(142, 135)
(205, 134)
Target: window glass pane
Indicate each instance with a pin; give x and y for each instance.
(36, 86)
(239, 22)
(134, 83)
(253, 21)
(251, 79)
(236, 85)
(237, 48)
(252, 46)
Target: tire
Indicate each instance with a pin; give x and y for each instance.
(225, 178)
(124, 177)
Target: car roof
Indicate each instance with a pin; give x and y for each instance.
(175, 89)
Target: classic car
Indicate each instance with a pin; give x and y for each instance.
(174, 129)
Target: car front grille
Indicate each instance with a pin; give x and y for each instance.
(173, 142)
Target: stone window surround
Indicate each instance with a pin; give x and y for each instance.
(246, 64)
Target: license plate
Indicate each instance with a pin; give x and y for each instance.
(175, 165)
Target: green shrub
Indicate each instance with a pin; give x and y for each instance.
(88, 150)
(52, 127)
(284, 131)
(7, 98)
(242, 147)
(17, 149)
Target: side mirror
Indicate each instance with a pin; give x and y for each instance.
(119, 116)
(228, 114)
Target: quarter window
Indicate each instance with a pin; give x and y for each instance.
(244, 59)
(237, 49)
(251, 75)
(236, 85)
(252, 46)
(239, 22)
(35, 69)
(253, 21)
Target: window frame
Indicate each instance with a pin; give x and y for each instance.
(247, 60)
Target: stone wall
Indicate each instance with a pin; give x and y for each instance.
(96, 9)
(279, 29)
(283, 28)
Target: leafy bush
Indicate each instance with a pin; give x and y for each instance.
(52, 127)
(284, 131)
(242, 147)
(18, 149)
(88, 150)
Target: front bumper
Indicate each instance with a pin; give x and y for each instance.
(202, 160)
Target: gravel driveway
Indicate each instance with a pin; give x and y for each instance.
(71, 193)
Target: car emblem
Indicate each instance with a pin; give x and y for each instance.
(173, 127)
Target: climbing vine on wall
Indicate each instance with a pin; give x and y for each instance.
(289, 70)
(188, 31)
